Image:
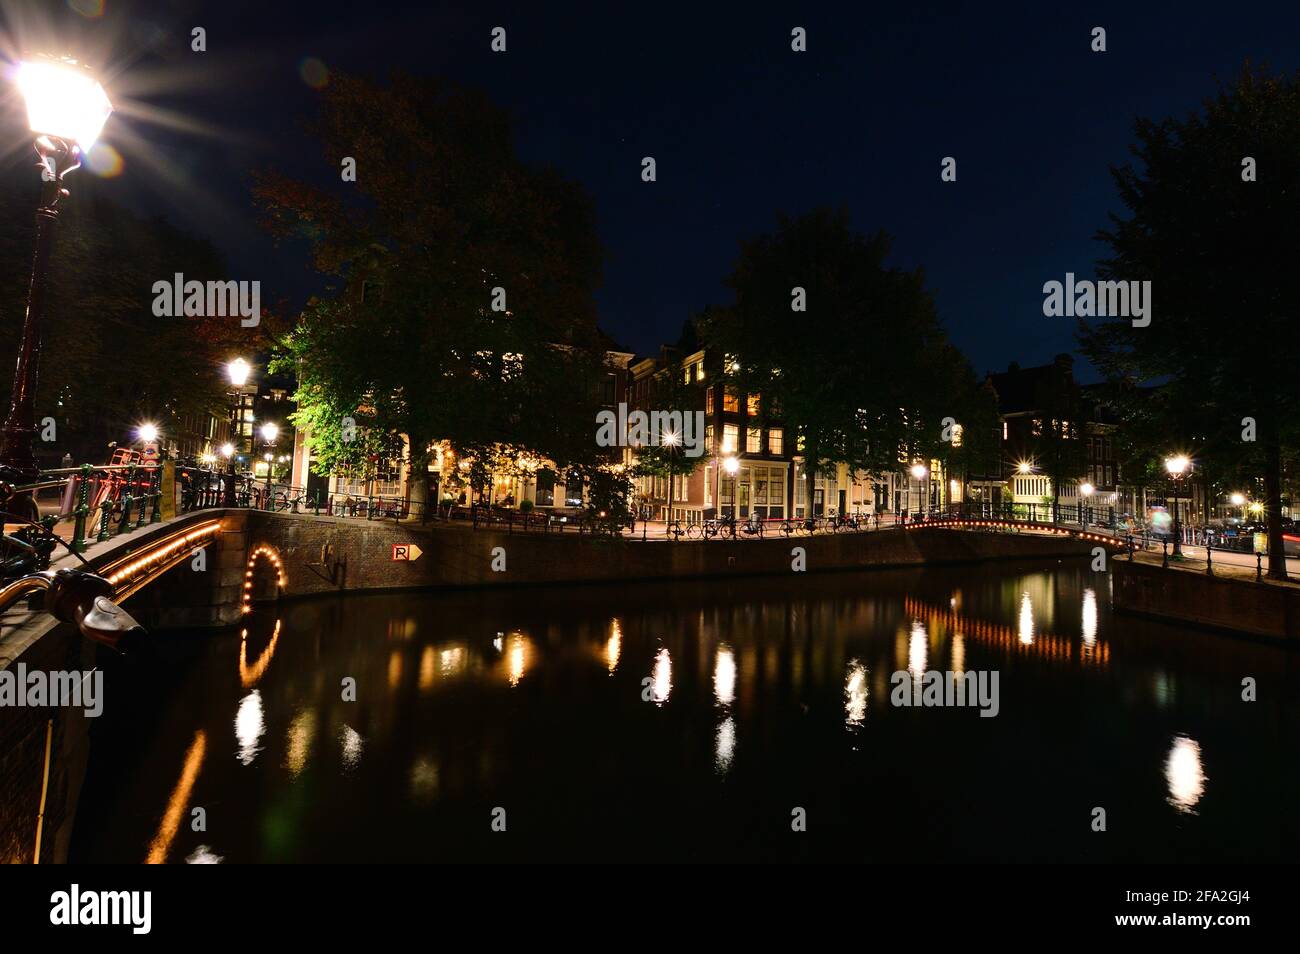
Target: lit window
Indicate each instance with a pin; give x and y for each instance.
(753, 440)
(752, 405)
(776, 441)
(730, 438)
(730, 402)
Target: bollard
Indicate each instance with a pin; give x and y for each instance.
(125, 525)
(1259, 568)
(1209, 563)
(317, 503)
(107, 508)
(1164, 545)
(83, 508)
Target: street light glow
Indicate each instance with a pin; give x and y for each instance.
(1238, 499)
(147, 433)
(1024, 467)
(237, 371)
(731, 465)
(919, 471)
(1177, 466)
(64, 100)
(227, 450)
(1086, 489)
(270, 431)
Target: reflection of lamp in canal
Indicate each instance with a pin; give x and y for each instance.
(1184, 774)
(298, 745)
(518, 657)
(351, 745)
(179, 800)
(1089, 618)
(427, 661)
(724, 749)
(958, 654)
(394, 669)
(724, 676)
(250, 675)
(662, 677)
(855, 694)
(249, 726)
(918, 650)
(613, 645)
(1026, 620)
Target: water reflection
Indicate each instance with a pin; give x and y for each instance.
(724, 676)
(250, 726)
(351, 743)
(918, 651)
(1184, 774)
(613, 645)
(662, 677)
(724, 749)
(178, 802)
(1089, 618)
(301, 732)
(855, 695)
(551, 712)
(1026, 620)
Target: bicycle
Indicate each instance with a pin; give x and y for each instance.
(752, 527)
(675, 529)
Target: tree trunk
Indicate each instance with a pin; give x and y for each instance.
(1273, 509)
(417, 480)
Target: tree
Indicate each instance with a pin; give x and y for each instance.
(1212, 207)
(864, 374)
(464, 307)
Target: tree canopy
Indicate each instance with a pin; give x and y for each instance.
(1212, 201)
(463, 306)
(845, 349)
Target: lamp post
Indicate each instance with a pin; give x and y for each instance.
(1177, 466)
(66, 109)
(731, 465)
(1086, 489)
(270, 431)
(919, 473)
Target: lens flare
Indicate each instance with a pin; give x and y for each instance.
(314, 73)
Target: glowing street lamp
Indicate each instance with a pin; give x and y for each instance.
(227, 451)
(919, 473)
(270, 431)
(238, 371)
(66, 110)
(1177, 466)
(1087, 490)
(148, 433)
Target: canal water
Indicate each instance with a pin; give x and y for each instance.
(741, 720)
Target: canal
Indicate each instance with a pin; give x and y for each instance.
(702, 721)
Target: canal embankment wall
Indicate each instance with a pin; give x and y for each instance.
(1223, 602)
(334, 555)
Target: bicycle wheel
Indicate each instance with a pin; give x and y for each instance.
(694, 531)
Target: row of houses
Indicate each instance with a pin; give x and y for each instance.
(751, 465)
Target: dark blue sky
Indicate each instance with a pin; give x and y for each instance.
(740, 126)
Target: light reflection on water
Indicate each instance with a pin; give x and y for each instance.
(690, 717)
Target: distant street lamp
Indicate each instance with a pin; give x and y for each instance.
(919, 473)
(66, 109)
(270, 432)
(1177, 467)
(1086, 489)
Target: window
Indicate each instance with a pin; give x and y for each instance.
(679, 488)
(730, 438)
(751, 405)
(546, 488)
(699, 370)
(708, 438)
(776, 441)
(753, 440)
(730, 402)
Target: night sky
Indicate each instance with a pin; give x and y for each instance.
(741, 127)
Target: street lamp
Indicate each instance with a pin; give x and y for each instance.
(148, 433)
(270, 432)
(919, 473)
(66, 109)
(1177, 467)
(1086, 489)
